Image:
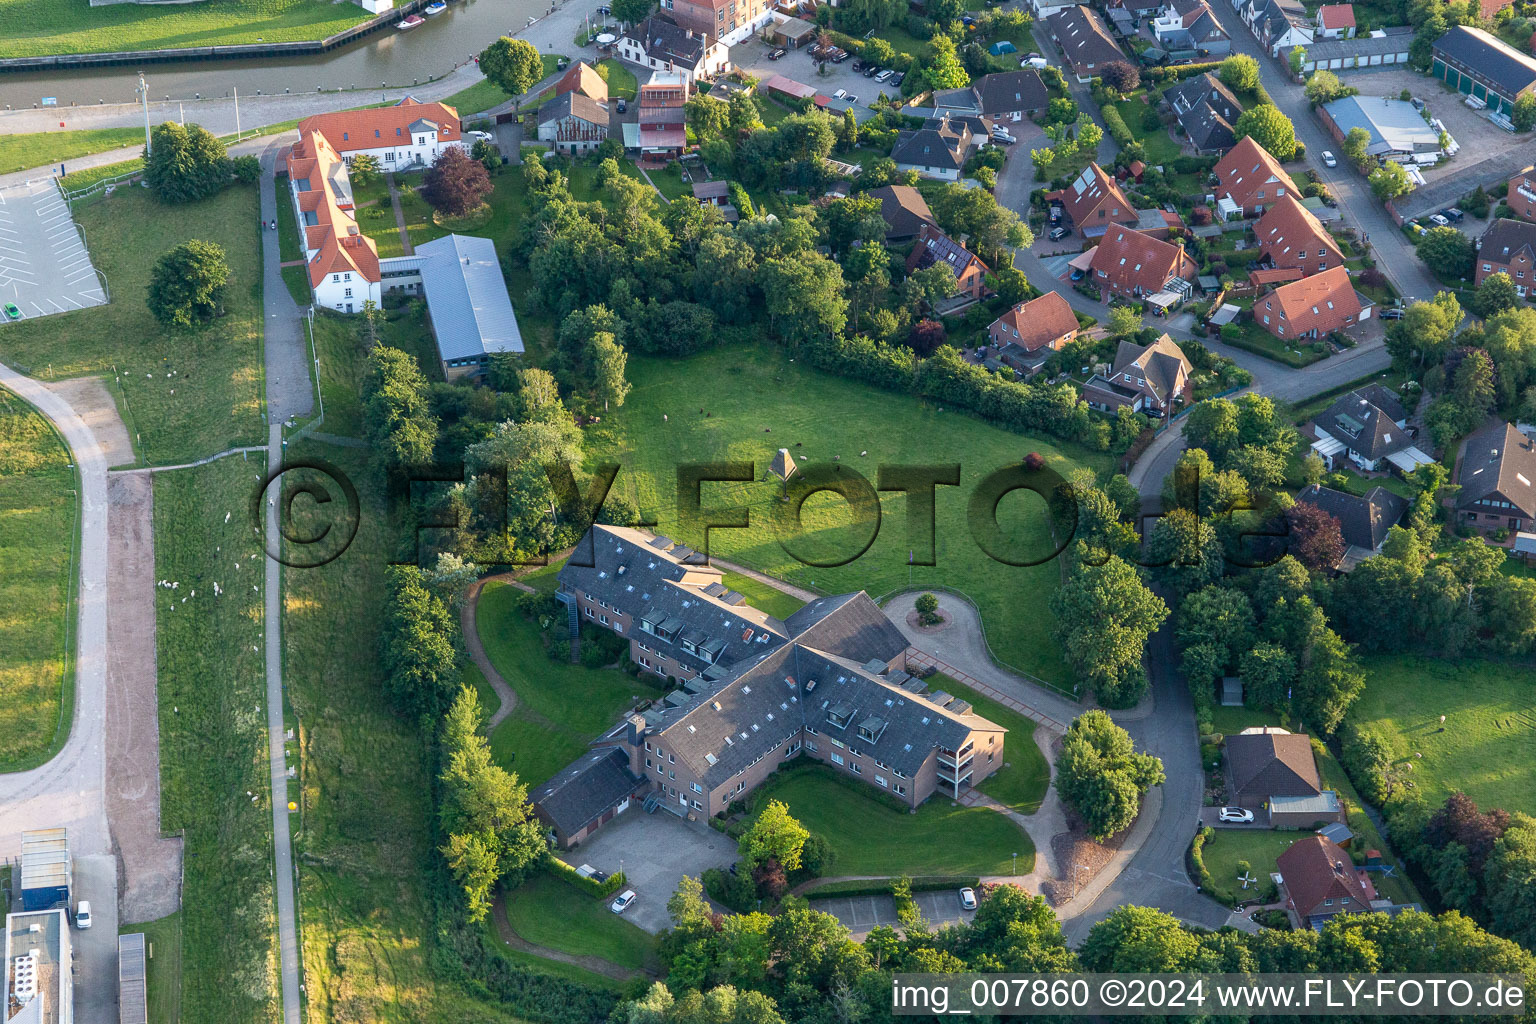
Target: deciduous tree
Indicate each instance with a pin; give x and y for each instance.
(186, 285)
(185, 163)
(1270, 128)
(1104, 615)
(456, 183)
(1240, 73)
(1101, 776)
(514, 65)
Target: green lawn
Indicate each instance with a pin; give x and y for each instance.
(548, 911)
(34, 149)
(480, 96)
(669, 181)
(1160, 147)
(493, 941)
(75, 181)
(163, 966)
(213, 738)
(621, 81)
(1487, 747)
(744, 389)
(560, 707)
(38, 525)
(288, 248)
(1254, 338)
(46, 27)
(1022, 781)
(1259, 847)
(188, 393)
(761, 596)
(873, 838)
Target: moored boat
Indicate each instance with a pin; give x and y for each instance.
(410, 22)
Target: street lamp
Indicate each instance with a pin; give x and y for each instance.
(1015, 864)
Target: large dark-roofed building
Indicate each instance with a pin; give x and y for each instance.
(1497, 474)
(1364, 522)
(1483, 66)
(753, 691)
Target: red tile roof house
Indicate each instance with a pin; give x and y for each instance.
(934, 246)
(1093, 202)
(407, 134)
(1312, 307)
(1025, 335)
(1251, 180)
(661, 132)
(1522, 196)
(1290, 236)
(1319, 880)
(1336, 21)
(342, 262)
(1508, 247)
(1148, 380)
(1134, 265)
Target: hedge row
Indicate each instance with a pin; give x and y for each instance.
(1116, 125)
(1179, 72)
(1196, 855)
(882, 886)
(607, 887)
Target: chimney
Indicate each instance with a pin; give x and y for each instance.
(636, 729)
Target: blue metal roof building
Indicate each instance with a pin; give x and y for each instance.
(467, 299)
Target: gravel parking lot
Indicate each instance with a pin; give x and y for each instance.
(44, 265)
(1479, 137)
(752, 56)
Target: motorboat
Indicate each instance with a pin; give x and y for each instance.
(410, 22)
(436, 7)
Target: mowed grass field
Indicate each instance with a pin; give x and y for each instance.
(34, 149)
(43, 27)
(189, 394)
(1487, 747)
(38, 524)
(212, 687)
(872, 838)
(755, 401)
(548, 911)
(560, 707)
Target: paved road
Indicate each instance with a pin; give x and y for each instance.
(288, 394)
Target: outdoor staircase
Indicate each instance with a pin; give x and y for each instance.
(573, 625)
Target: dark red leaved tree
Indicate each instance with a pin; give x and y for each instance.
(456, 184)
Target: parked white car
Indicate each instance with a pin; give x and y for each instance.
(1236, 815)
(1038, 63)
(1329, 160)
(483, 136)
(622, 901)
(83, 914)
(967, 898)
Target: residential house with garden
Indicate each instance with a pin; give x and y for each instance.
(1191, 25)
(1249, 181)
(1521, 196)
(1508, 247)
(1497, 475)
(660, 44)
(1484, 67)
(583, 78)
(904, 211)
(1093, 203)
(934, 248)
(1136, 266)
(1272, 772)
(342, 263)
(1289, 237)
(1085, 41)
(402, 136)
(660, 132)
(1319, 880)
(1004, 96)
(753, 691)
(1027, 333)
(1312, 307)
(1367, 428)
(938, 150)
(1363, 521)
(1335, 21)
(1278, 25)
(1149, 379)
(1206, 110)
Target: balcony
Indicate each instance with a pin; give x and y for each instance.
(953, 761)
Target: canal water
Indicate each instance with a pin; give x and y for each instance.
(389, 57)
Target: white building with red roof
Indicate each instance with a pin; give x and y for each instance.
(341, 261)
(402, 136)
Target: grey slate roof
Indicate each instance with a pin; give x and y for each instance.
(665, 40)
(765, 689)
(1207, 110)
(1008, 91)
(1366, 421)
(941, 145)
(573, 103)
(1505, 239)
(1507, 68)
(1396, 40)
(582, 790)
(904, 210)
(1364, 522)
(1084, 37)
(1499, 460)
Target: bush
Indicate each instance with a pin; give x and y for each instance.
(817, 856)
(733, 891)
(1151, 120)
(1180, 72)
(247, 169)
(1196, 856)
(1117, 127)
(602, 890)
